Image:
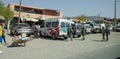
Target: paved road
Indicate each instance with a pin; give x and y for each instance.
(45, 48)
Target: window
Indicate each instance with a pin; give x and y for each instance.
(48, 24)
(62, 24)
(67, 24)
(55, 24)
(42, 25)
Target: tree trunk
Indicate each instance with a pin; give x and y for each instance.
(8, 26)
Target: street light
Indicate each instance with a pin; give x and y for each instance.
(19, 11)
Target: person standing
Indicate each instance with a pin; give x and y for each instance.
(105, 33)
(1, 37)
(3, 34)
(83, 32)
(70, 32)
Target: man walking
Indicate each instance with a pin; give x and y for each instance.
(3, 34)
(70, 32)
(105, 32)
(83, 32)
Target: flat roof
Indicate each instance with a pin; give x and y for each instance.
(33, 7)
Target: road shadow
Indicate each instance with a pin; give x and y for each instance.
(117, 58)
(50, 38)
(97, 40)
(10, 46)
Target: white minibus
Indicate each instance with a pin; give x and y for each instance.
(55, 28)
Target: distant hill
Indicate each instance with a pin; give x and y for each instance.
(96, 18)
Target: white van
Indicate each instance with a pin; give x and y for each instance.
(55, 28)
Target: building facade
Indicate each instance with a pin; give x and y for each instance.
(34, 12)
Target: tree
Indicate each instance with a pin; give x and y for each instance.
(82, 18)
(8, 14)
(1, 8)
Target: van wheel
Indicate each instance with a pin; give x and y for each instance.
(53, 37)
(40, 34)
(65, 37)
(79, 35)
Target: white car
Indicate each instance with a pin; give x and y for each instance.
(88, 28)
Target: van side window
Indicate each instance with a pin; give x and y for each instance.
(67, 24)
(54, 24)
(62, 24)
(48, 24)
(42, 25)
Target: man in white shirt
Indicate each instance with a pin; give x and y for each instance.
(102, 25)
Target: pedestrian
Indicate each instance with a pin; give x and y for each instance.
(105, 33)
(70, 32)
(83, 32)
(3, 34)
(0, 38)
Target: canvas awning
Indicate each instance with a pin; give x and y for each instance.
(29, 19)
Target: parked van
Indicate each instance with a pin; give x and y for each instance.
(55, 28)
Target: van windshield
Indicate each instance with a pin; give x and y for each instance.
(54, 24)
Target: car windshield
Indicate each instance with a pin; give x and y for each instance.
(87, 26)
(118, 27)
(24, 25)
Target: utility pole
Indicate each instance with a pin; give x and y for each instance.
(115, 20)
(99, 18)
(19, 11)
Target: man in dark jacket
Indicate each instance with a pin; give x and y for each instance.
(83, 32)
(105, 32)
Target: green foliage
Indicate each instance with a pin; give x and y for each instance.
(82, 18)
(8, 13)
(1, 7)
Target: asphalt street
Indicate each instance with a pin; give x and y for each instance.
(46, 48)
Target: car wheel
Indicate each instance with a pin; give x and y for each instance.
(15, 33)
(11, 33)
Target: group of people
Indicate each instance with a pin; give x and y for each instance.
(105, 32)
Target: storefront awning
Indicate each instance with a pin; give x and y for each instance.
(29, 19)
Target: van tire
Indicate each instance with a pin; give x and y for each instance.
(41, 34)
(65, 37)
(79, 36)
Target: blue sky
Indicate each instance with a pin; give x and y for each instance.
(104, 8)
